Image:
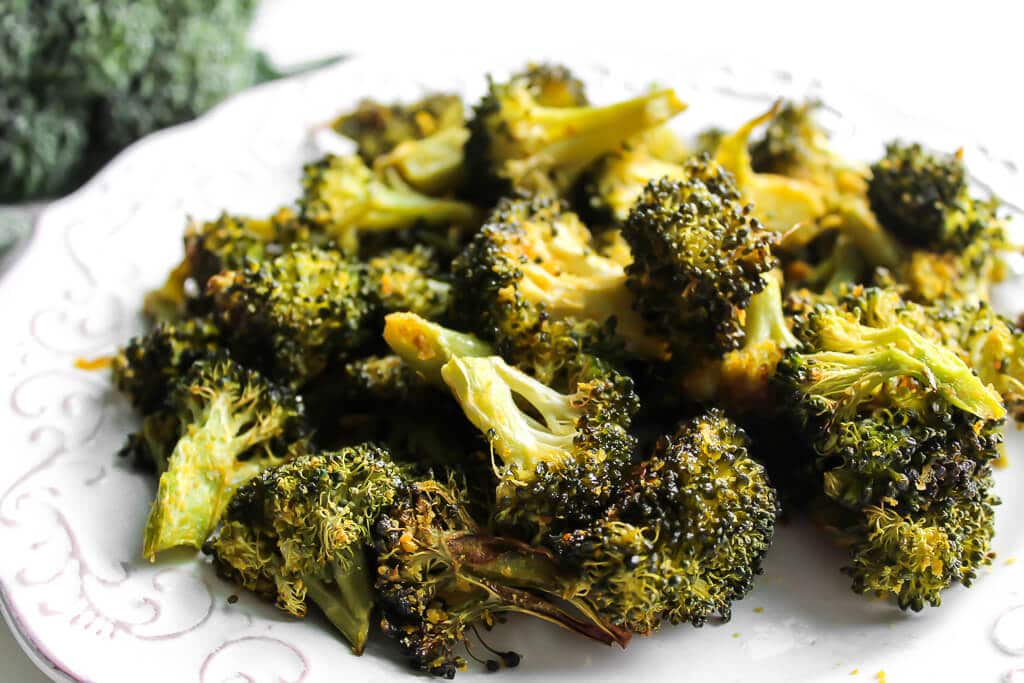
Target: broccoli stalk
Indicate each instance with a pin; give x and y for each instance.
(427, 347)
(225, 412)
(432, 165)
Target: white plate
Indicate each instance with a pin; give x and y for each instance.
(87, 608)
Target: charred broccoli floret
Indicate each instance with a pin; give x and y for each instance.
(342, 197)
(438, 577)
(379, 128)
(299, 532)
(227, 243)
(535, 262)
(150, 364)
(686, 537)
(233, 424)
(293, 315)
(522, 136)
(698, 258)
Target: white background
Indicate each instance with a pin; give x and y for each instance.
(957, 63)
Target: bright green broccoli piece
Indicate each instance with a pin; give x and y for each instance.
(293, 315)
(233, 424)
(299, 532)
(685, 538)
(698, 257)
(523, 137)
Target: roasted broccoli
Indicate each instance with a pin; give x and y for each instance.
(613, 186)
(293, 315)
(233, 423)
(379, 128)
(408, 280)
(686, 536)
(300, 531)
(342, 197)
(535, 262)
(698, 258)
(438, 578)
(522, 137)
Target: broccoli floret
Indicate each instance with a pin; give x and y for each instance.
(698, 258)
(611, 189)
(552, 85)
(707, 141)
(342, 197)
(518, 141)
(438, 577)
(924, 199)
(298, 532)
(150, 364)
(779, 201)
(233, 423)
(380, 128)
(742, 378)
(43, 140)
(686, 537)
(293, 315)
(227, 243)
(535, 262)
(408, 280)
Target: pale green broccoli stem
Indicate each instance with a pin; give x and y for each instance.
(203, 472)
(847, 266)
(393, 209)
(487, 389)
(576, 136)
(936, 366)
(426, 346)
(345, 596)
(766, 320)
(863, 229)
(433, 164)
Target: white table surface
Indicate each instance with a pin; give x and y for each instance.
(957, 63)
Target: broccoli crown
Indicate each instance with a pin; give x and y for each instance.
(437, 578)
(379, 128)
(698, 257)
(707, 140)
(789, 139)
(534, 262)
(408, 280)
(519, 141)
(914, 557)
(299, 531)
(298, 312)
(687, 535)
(148, 367)
(561, 455)
(342, 197)
(552, 85)
(923, 198)
(233, 423)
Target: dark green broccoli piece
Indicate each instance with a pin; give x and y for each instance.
(379, 128)
(342, 197)
(534, 263)
(518, 141)
(295, 314)
(233, 424)
(147, 367)
(298, 532)
(227, 243)
(438, 578)
(698, 258)
(686, 537)
(43, 141)
(924, 199)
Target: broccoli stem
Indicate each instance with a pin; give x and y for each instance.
(203, 472)
(346, 598)
(766, 320)
(877, 246)
(578, 135)
(394, 209)
(432, 164)
(427, 346)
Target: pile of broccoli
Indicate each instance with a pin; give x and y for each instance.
(552, 359)
(82, 80)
